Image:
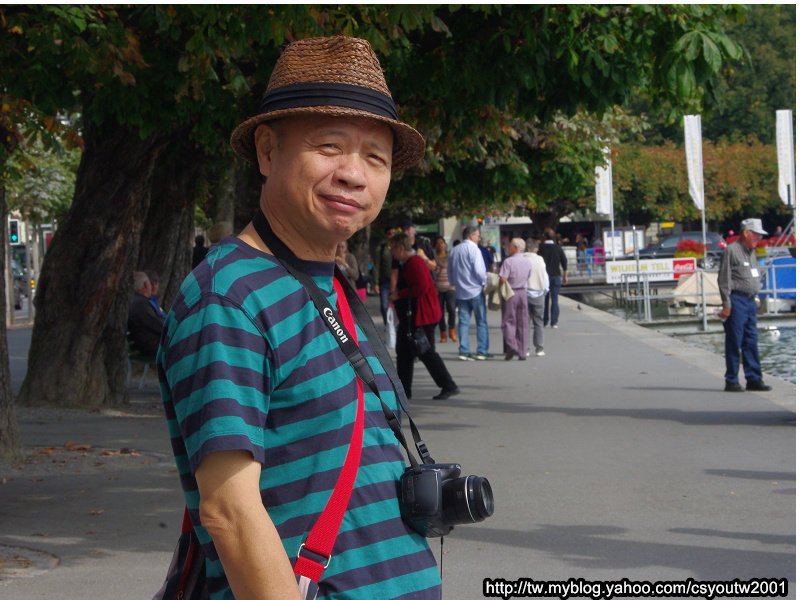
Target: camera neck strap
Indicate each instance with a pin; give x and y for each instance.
(349, 347)
(315, 553)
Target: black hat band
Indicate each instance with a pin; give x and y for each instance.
(306, 95)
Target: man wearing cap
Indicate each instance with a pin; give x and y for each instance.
(739, 282)
(260, 399)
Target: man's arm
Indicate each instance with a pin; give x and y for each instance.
(479, 266)
(724, 283)
(248, 544)
(564, 265)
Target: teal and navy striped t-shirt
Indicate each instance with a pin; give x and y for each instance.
(246, 363)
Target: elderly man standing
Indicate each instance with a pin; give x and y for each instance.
(263, 405)
(515, 270)
(739, 282)
(467, 273)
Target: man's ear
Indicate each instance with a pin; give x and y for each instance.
(265, 143)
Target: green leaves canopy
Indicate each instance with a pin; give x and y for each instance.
(482, 83)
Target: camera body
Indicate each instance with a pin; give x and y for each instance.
(433, 498)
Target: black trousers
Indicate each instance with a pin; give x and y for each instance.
(404, 347)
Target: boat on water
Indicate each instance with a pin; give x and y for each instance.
(778, 290)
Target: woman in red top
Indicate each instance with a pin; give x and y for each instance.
(417, 304)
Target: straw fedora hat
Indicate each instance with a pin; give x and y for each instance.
(338, 76)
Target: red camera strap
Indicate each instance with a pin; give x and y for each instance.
(322, 536)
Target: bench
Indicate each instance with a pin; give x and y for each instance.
(137, 357)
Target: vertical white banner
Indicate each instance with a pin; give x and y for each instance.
(602, 188)
(694, 159)
(784, 139)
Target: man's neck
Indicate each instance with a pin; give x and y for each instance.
(298, 244)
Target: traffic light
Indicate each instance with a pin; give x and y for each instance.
(13, 231)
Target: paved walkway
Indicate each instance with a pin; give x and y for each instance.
(616, 455)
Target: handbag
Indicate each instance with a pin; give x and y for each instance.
(186, 575)
(419, 341)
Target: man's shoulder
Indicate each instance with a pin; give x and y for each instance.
(462, 248)
(138, 303)
(231, 271)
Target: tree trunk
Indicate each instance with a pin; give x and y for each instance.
(9, 434)
(78, 354)
(168, 233)
(223, 195)
(542, 220)
(247, 187)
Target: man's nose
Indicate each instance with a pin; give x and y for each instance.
(350, 170)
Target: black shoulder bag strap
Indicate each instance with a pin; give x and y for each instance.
(350, 349)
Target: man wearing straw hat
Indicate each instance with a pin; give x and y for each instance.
(739, 283)
(259, 397)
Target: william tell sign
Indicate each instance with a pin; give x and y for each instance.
(654, 269)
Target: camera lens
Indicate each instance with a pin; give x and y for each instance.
(467, 500)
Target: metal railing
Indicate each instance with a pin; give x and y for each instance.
(638, 291)
(588, 265)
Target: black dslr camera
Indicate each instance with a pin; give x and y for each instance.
(433, 498)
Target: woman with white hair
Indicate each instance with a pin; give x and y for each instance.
(515, 270)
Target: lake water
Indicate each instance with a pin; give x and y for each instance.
(777, 348)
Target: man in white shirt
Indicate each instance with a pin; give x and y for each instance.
(467, 273)
(538, 286)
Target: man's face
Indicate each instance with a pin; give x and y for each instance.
(327, 177)
(751, 238)
(476, 236)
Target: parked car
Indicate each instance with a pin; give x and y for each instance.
(666, 248)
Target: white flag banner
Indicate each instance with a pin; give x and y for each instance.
(694, 159)
(785, 142)
(602, 189)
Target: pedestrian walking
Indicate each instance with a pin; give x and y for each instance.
(538, 286)
(556, 262)
(447, 293)
(417, 305)
(515, 271)
(382, 270)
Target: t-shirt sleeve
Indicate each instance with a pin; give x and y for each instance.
(216, 363)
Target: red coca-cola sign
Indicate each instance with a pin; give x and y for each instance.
(682, 266)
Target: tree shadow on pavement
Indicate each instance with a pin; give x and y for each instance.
(603, 547)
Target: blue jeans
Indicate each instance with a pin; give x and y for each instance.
(475, 305)
(741, 333)
(551, 310)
